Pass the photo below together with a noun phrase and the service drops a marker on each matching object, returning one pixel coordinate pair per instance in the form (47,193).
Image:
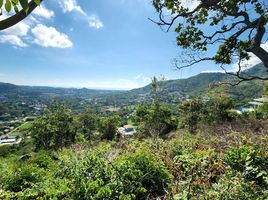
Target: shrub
(252,161)
(18,179)
(54,130)
(142,174)
(132,176)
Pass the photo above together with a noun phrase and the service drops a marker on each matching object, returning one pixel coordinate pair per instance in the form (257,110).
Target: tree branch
(14,19)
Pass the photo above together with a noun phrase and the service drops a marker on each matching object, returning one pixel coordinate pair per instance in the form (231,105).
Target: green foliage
(197,170)
(142,173)
(16,4)
(217,109)
(88,123)
(132,176)
(231,186)
(54,130)
(155,120)
(186,167)
(251,161)
(18,179)
(190,112)
(108,127)
(236,158)
(229,33)
(195,111)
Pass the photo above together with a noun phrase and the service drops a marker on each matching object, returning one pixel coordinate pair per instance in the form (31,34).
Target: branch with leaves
(20,14)
(236,27)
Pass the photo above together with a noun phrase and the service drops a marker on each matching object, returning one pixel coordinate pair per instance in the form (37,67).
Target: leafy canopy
(237,28)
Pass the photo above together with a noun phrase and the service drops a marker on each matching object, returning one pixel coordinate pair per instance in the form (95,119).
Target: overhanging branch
(14,19)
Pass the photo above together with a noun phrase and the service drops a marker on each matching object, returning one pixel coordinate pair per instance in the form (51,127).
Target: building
(255,104)
(126,131)
(258,102)
(8,140)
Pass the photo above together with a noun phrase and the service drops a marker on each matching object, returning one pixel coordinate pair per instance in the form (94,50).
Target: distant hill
(10,90)
(193,86)
(7,87)
(197,85)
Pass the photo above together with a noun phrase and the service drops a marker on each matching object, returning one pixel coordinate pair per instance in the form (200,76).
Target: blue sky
(107,44)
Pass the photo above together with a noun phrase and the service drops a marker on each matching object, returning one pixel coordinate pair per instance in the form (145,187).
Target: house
(253,105)
(126,131)
(29,118)
(258,102)
(8,140)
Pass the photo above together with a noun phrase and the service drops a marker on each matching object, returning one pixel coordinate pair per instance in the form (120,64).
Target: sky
(103,44)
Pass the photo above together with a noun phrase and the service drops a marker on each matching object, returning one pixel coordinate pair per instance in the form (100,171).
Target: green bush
(155,120)
(23,177)
(252,161)
(142,174)
(41,159)
(55,130)
(131,176)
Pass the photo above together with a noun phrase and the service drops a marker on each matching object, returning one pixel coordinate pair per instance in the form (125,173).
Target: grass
(22,130)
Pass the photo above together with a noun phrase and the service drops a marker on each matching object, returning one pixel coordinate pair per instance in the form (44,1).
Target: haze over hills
(8,89)
(192,86)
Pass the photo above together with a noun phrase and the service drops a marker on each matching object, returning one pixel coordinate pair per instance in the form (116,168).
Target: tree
(108,127)
(190,112)
(235,27)
(157,85)
(27,8)
(54,130)
(88,122)
(155,120)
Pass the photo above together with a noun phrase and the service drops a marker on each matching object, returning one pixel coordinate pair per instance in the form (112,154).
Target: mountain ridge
(192,86)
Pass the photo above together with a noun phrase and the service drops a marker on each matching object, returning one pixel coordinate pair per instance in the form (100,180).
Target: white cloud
(72,6)
(50,37)
(20,29)
(19,35)
(191,4)
(13,40)
(42,11)
(95,22)
(14,34)
(143,78)
(213,71)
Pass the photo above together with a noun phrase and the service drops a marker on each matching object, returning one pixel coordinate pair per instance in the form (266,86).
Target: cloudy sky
(90,43)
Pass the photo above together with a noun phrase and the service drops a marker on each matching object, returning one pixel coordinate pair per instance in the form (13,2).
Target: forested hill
(193,86)
(198,84)
(190,86)
(8,90)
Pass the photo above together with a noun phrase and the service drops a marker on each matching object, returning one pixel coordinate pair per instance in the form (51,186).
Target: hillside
(11,90)
(193,86)
(197,85)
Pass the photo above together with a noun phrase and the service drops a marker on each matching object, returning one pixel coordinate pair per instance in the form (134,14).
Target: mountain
(10,90)
(197,85)
(193,86)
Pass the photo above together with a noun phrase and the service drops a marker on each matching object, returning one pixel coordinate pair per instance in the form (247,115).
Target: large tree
(236,27)
(22,9)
